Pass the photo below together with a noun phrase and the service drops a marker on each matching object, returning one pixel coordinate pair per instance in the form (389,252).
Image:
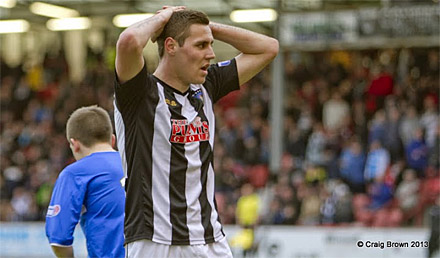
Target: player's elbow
(274,47)
(128,42)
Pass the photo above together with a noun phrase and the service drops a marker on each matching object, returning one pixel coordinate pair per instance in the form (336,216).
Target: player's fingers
(174,8)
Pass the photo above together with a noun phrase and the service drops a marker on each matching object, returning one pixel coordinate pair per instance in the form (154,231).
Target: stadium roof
(218,10)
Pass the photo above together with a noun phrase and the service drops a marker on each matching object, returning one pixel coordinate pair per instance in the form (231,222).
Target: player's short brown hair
(178,27)
(89,125)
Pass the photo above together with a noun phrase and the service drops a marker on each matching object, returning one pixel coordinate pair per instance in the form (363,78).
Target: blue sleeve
(64,209)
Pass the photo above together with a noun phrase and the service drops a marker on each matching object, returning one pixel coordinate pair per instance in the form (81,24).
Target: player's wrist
(213,26)
(214,29)
(167,11)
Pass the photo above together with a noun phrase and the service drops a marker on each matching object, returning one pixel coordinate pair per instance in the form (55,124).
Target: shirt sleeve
(64,209)
(130,93)
(222,79)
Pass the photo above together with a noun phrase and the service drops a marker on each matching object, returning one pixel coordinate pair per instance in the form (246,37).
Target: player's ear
(170,45)
(113,141)
(75,145)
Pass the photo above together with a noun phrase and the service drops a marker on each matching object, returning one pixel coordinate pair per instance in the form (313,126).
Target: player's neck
(167,74)
(99,147)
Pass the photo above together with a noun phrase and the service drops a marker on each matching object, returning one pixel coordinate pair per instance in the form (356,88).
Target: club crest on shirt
(53,210)
(198,94)
(182,132)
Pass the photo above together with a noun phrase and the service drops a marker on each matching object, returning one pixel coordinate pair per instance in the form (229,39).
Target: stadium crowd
(361,136)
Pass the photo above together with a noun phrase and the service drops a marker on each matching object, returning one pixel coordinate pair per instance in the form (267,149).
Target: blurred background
(336,142)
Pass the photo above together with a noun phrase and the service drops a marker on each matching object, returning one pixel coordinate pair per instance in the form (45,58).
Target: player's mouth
(205,68)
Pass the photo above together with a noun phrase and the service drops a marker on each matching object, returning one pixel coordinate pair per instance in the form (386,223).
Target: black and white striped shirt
(166,141)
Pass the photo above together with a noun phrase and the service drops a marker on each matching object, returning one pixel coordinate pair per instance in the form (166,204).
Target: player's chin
(200,80)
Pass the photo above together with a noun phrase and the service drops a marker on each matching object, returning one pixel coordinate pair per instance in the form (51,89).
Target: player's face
(193,58)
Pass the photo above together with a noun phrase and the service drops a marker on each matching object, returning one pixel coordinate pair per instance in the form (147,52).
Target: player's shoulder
(79,166)
(142,78)
(66,174)
(94,163)
(225,63)
(70,169)
(77,172)
(222,69)
(221,65)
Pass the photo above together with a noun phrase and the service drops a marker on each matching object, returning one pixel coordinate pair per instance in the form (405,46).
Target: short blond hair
(89,125)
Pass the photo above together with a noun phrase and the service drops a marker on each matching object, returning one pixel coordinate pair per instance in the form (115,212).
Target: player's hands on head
(172,8)
(166,13)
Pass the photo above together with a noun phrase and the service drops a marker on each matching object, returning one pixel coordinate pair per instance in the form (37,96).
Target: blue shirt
(417,155)
(377,163)
(352,166)
(89,190)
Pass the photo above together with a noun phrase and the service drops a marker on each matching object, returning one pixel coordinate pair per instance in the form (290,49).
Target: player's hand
(172,8)
(166,13)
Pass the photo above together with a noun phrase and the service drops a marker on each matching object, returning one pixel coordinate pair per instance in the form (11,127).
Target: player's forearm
(131,42)
(62,251)
(247,42)
(136,37)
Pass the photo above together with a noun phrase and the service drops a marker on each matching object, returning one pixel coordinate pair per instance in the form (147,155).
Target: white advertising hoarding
(29,240)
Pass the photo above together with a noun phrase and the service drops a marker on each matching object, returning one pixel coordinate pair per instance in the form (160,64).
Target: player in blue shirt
(89,190)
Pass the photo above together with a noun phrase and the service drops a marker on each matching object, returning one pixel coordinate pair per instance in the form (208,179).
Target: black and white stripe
(170,184)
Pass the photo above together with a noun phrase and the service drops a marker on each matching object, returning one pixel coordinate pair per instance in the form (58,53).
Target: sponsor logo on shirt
(182,132)
(171,102)
(53,210)
(224,63)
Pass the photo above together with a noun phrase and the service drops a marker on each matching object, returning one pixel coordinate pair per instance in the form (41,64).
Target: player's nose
(210,54)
